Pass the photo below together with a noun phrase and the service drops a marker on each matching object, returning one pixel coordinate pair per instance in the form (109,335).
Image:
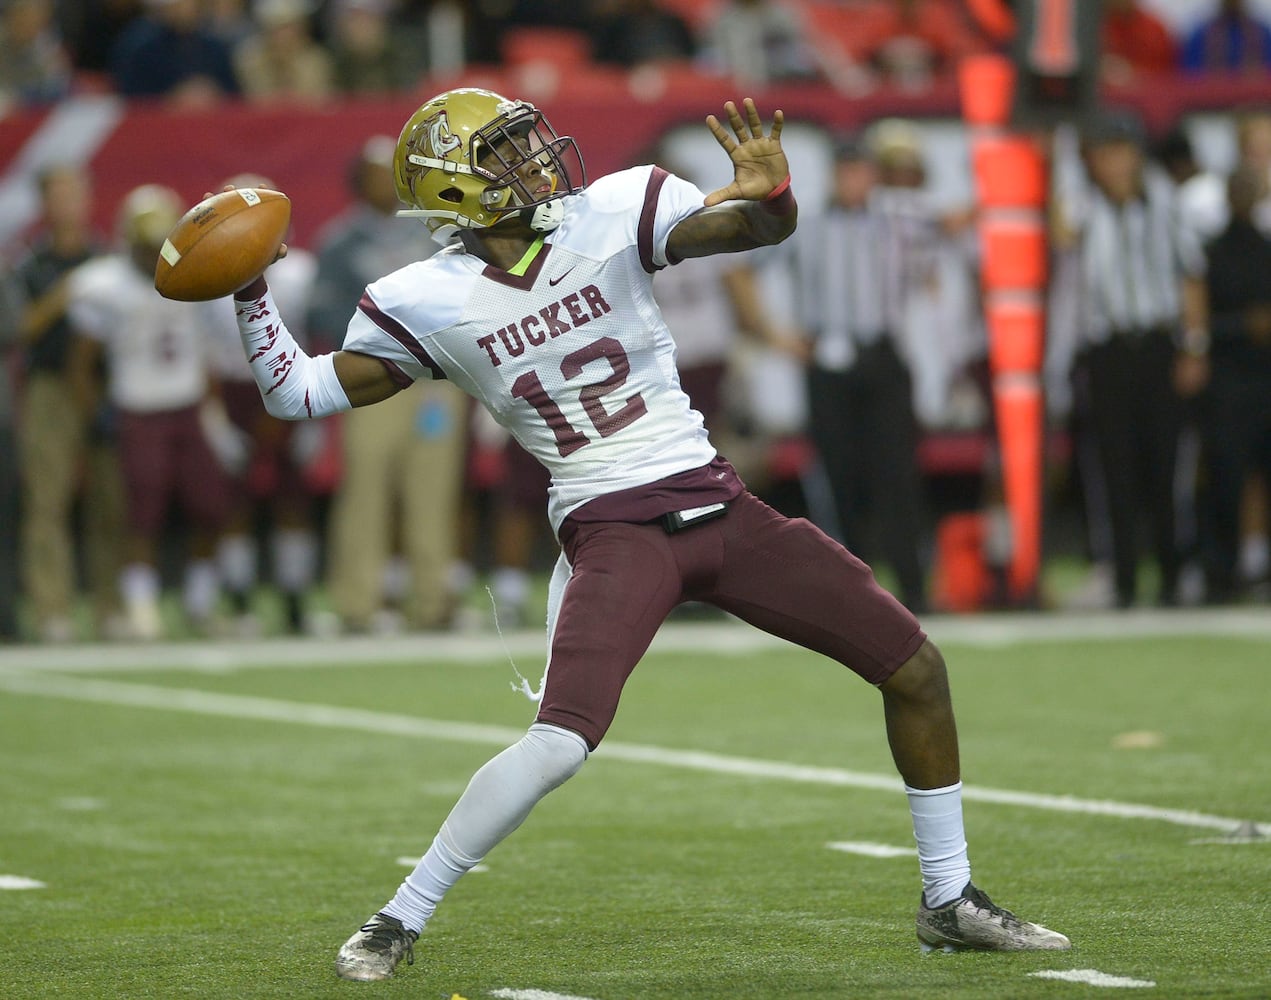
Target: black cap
(851,148)
(1114,126)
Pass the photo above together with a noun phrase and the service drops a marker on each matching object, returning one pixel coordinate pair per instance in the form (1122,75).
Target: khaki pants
(400,491)
(50,453)
(56,463)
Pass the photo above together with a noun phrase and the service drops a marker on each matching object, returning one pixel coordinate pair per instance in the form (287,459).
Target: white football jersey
(155,347)
(573,357)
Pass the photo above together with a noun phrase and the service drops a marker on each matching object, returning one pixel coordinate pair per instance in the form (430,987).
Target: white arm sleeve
(293,385)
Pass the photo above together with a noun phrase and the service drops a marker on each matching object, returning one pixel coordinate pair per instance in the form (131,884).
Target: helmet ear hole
(453,195)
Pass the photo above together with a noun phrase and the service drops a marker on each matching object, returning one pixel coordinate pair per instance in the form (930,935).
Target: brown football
(222,244)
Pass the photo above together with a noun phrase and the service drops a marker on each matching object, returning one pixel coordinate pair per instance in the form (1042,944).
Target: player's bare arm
(755,209)
(364,379)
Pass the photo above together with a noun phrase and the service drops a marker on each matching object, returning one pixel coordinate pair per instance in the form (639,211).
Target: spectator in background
(1236,407)
(907,42)
(61,456)
(369,54)
(34,66)
(269,487)
(1202,194)
(229,20)
(1135,43)
(633,33)
(1253,147)
(154,351)
(453,33)
(1142,299)
(91,28)
(403,461)
(1232,41)
(760,42)
(169,53)
(283,61)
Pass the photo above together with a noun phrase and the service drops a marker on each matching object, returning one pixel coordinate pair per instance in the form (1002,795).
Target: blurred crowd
(197,51)
(144,491)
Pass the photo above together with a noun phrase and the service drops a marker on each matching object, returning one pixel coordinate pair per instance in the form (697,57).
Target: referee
(1144,312)
(850,264)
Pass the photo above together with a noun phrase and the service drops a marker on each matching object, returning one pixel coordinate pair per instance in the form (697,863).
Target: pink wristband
(781,199)
(779,190)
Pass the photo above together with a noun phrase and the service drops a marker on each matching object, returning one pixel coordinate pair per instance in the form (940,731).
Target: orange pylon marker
(1010,180)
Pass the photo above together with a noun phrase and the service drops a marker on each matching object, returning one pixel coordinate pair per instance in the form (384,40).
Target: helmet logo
(440,138)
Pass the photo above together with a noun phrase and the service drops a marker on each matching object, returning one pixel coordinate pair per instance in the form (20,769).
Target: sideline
(989,630)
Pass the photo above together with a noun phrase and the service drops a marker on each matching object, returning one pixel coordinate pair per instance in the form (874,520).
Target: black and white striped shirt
(1133,257)
(848,278)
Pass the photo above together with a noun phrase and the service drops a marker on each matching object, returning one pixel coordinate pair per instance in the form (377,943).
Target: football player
(541,307)
(154,352)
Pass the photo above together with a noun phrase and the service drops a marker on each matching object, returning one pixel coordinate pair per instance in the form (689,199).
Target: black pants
(863,427)
(1236,422)
(1137,417)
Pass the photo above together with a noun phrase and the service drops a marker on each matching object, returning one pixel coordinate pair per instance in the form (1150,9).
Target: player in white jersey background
(541,308)
(155,353)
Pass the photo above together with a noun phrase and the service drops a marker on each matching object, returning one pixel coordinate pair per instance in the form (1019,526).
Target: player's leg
(607,605)
(790,579)
(205,490)
(497,800)
(147,461)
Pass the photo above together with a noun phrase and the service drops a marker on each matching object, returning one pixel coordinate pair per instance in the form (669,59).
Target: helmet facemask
(461,162)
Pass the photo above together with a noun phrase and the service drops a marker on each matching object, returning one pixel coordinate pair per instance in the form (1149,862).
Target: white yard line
(871,850)
(79,688)
(507,994)
(1093,977)
(19,882)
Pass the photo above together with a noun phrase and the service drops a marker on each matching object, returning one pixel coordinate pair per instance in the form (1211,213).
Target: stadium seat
(564,48)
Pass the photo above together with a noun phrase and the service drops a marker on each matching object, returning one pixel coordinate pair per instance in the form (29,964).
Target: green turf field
(215,821)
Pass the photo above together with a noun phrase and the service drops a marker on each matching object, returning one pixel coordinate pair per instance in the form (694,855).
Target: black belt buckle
(679,520)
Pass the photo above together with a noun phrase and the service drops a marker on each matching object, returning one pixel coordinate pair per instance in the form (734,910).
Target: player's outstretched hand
(759,162)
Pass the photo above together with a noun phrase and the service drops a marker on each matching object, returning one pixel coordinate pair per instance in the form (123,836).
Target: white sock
(202,587)
(139,584)
(295,553)
(942,855)
(236,557)
(496,801)
(510,586)
(1255,557)
(396,579)
(460,577)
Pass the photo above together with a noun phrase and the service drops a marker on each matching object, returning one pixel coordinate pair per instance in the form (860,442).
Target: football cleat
(374,951)
(975,922)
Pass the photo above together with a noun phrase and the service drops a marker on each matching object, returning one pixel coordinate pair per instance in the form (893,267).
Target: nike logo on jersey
(563,315)
(558,280)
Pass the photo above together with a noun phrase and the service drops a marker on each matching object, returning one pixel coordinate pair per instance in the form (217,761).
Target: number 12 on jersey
(568,437)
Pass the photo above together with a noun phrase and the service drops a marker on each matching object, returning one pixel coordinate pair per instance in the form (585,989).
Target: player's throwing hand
(759,162)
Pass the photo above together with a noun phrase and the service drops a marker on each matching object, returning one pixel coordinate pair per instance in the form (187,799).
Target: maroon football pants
(782,575)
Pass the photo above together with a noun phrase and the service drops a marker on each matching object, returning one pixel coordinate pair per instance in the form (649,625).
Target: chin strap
(546,217)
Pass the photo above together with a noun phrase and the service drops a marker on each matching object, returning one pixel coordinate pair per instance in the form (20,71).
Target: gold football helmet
(459,164)
(147,214)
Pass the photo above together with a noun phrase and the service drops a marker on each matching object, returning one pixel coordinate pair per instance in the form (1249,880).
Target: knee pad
(557,753)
